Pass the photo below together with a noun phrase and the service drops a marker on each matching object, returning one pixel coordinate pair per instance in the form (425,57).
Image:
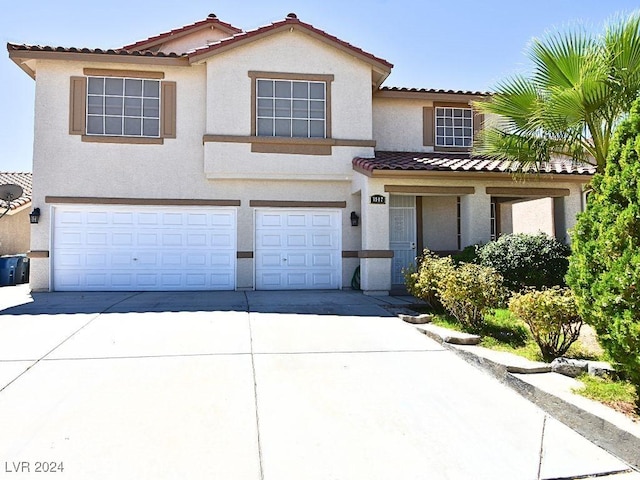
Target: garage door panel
(137,248)
(221,260)
(296,240)
(298,249)
(322,220)
(225,240)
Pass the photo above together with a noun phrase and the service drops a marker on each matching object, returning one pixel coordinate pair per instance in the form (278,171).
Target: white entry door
(402,234)
(133,248)
(298,249)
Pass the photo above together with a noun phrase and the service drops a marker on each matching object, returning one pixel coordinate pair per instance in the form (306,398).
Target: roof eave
(471,175)
(433,96)
(23,55)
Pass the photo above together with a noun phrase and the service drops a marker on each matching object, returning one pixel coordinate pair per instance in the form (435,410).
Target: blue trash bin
(22,269)
(8,267)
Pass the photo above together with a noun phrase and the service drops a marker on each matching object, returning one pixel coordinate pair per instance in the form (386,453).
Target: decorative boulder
(569,367)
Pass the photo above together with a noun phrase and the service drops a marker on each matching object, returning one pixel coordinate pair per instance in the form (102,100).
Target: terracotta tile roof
(290,20)
(18,178)
(462,162)
(13,47)
(211,20)
(432,90)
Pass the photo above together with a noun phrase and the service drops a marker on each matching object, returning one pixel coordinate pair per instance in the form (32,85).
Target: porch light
(34,216)
(354,219)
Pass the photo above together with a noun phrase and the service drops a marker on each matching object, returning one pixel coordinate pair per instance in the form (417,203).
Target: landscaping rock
(569,367)
(445,335)
(417,319)
(600,369)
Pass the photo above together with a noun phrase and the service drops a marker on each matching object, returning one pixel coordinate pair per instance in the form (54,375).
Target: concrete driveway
(257,385)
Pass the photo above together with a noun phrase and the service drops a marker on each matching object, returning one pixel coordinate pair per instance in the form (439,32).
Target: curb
(612,438)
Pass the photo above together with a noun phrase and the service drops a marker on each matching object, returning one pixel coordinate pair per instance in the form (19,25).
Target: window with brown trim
(288,108)
(121,108)
(454,127)
(291,105)
(450,126)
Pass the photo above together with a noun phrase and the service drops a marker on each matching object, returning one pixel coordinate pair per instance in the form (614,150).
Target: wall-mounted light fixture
(34,216)
(354,219)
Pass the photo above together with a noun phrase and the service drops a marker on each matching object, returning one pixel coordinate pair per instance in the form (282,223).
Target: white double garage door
(146,248)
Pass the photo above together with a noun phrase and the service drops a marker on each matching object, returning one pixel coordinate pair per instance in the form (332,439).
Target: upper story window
(454,127)
(123,107)
(291,108)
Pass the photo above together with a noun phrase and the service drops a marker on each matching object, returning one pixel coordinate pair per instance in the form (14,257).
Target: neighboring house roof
(18,178)
(462,162)
(210,21)
(291,21)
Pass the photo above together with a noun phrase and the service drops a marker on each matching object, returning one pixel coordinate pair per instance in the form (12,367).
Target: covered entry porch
(446,209)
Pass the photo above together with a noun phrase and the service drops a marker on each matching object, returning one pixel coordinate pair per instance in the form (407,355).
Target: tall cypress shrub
(604,268)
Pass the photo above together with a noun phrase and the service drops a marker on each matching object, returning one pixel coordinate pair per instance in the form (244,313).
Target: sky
(459,45)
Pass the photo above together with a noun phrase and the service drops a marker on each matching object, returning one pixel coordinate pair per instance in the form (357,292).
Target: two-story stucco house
(211,158)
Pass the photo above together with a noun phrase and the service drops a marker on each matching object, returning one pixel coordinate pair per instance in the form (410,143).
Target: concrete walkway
(259,385)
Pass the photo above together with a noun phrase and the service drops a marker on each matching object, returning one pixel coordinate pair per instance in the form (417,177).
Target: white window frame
(123,116)
(454,124)
(265,114)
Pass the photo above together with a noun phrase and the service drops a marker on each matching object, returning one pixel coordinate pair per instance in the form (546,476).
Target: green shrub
(469,292)
(526,260)
(468,255)
(423,282)
(552,316)
(604,270)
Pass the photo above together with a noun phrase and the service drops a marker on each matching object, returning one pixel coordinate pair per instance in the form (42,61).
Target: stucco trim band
(375,254)
(423,189)
(129,140)
(528,192)
(144,201)
(334,142)
(107,72)
(350,254)
(38,254)
(296,204)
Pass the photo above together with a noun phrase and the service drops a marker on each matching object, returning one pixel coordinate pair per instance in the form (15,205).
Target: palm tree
(581,86)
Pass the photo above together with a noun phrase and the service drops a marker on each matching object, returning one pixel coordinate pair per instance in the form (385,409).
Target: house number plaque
(378,199)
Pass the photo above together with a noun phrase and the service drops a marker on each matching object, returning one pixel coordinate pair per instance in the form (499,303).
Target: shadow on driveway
(316,302)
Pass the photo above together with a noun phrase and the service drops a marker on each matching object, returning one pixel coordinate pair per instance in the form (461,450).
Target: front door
(402,234)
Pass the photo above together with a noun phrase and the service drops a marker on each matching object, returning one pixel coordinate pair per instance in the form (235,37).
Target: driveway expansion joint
(66,339)
(615,439)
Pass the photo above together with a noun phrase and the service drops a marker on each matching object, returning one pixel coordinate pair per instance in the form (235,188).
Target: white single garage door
(135,248)
(298,249)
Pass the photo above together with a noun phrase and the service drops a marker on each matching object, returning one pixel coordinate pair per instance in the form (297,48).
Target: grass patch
(617,394)
(506,333)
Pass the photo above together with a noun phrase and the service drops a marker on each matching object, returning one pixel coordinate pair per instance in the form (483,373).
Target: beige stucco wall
(194,40)
(533,216)
(229,86)
(440,223)
(398,124)
(15,233)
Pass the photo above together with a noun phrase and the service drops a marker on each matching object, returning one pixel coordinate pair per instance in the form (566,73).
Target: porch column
(566,210)
(375,256)
(475,218)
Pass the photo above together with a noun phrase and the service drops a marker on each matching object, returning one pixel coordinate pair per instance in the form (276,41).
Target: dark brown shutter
(427,124)
(478,121)
(168,121)
(78,106)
